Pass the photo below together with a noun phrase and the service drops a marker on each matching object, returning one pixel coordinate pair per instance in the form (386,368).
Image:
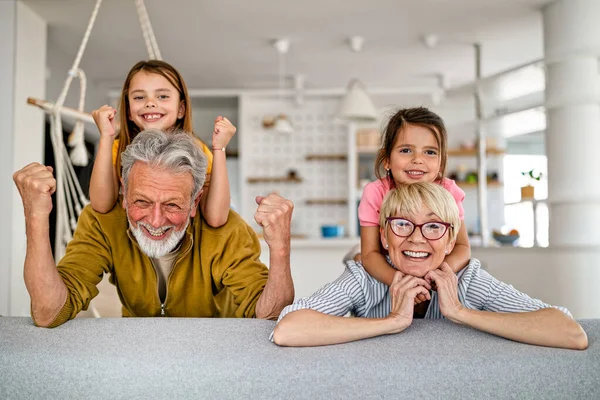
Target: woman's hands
(404,289)
(104,117)
(447,288)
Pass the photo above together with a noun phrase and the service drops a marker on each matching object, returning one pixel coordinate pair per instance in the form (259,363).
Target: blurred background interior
(310,86)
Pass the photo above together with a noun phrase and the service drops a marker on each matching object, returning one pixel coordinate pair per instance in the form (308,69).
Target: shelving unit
(464,185)
(274,179)
(321,202)
(326,157)
(473,152)
(367,150)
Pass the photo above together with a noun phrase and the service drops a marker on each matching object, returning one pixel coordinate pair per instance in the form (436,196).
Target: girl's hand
(404,290)
(104,117)
(222,133)
(447,288)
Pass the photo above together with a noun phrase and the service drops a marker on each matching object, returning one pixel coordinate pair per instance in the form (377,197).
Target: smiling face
(415,255)
(159,208)
(415,156)
(154,102)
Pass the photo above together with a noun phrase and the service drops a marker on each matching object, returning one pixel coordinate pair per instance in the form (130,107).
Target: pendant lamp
(357,105)
(282,122)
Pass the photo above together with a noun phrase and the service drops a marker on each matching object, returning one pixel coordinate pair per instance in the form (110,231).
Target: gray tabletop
(159,358)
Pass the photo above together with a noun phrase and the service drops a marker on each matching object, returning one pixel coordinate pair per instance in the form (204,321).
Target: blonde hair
(407,200)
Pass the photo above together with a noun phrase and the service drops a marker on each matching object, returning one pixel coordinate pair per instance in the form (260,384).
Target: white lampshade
(283,125)
(357,105)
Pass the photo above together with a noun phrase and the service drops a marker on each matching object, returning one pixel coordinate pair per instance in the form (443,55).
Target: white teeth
(415,254)
(156,232)
(415,172)
(151,117)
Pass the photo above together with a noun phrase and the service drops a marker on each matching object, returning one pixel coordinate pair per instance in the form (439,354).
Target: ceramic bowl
(507,240)
(330,231)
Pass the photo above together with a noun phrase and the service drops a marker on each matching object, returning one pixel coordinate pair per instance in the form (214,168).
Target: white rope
(79,154)
(63,230)
(147,31)
(79,199)
(82,199)
(75,67)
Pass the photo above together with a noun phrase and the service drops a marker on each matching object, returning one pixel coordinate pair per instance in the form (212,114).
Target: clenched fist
(274,214)
(222,133)
(104,117)
(36,184)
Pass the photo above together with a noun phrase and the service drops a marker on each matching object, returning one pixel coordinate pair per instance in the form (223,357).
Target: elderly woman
(420,223)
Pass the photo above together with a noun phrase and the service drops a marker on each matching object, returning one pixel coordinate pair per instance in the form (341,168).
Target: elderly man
(161,255)
(419,223)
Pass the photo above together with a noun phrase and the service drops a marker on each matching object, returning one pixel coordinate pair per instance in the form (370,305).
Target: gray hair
(177,152)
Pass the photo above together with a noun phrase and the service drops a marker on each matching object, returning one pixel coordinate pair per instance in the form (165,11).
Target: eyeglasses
(430,230)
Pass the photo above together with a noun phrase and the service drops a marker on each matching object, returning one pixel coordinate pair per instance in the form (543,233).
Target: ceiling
(227,44)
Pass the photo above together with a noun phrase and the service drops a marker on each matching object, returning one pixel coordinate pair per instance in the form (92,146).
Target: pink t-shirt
(374,192)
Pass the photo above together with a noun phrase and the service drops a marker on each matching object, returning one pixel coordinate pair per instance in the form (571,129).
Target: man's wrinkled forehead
(156,181)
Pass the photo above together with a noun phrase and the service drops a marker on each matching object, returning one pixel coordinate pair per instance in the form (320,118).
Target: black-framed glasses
(432,230)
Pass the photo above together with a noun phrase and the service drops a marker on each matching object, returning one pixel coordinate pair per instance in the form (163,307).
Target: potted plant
(527,191)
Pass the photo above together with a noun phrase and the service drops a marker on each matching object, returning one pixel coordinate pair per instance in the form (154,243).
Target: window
(519,214)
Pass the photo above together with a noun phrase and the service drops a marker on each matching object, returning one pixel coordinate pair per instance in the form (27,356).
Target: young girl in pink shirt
(414,149)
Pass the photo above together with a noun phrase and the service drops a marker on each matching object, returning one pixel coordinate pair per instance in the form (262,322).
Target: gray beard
(156,248)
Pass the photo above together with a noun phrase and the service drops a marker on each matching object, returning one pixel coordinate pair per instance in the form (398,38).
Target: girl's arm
(215,202)
(372,260)
(104,188)
(461,254)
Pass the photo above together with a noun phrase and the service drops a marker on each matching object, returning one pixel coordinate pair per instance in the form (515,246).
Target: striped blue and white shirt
(357,292)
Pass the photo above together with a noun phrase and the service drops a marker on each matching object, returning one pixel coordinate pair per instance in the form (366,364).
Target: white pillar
(572,45)
(22,74)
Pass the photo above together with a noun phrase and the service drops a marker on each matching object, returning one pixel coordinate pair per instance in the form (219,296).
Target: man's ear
(181,112)
(196,202)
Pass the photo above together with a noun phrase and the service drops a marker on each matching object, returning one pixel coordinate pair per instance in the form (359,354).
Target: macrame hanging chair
(70,199)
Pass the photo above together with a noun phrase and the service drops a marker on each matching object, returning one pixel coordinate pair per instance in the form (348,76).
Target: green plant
(531,176)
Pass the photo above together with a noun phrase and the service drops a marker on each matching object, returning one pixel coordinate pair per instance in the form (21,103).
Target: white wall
(22,68)
(7,68)
(566,276)
(205,110)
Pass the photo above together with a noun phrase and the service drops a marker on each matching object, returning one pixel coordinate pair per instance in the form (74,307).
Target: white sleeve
(336,298)
(489,294)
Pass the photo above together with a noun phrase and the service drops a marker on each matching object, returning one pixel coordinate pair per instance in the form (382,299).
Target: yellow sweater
(212,262)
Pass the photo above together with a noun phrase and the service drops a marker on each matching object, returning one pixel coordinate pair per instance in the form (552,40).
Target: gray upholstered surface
(211,358)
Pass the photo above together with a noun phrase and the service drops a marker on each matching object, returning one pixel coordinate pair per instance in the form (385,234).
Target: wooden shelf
(336,202)
(367,150)
(465,185)
(326,157)
(292,236)
(274,179)
(473,152)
